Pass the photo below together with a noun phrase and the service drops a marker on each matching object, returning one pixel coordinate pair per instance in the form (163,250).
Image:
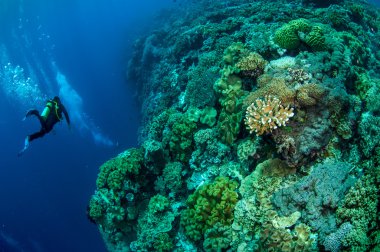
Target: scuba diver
(49,117)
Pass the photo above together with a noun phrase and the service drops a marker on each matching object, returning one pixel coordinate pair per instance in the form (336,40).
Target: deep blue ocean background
(86,44)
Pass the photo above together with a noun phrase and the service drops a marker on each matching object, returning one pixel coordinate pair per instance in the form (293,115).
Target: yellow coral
(252,65)
(265,115)
(274,87)
(309,94)
(286,221)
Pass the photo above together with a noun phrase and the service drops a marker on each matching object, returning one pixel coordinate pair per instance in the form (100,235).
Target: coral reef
(260,131)
(360,208)
(210,204)
(317,196)
(265,115)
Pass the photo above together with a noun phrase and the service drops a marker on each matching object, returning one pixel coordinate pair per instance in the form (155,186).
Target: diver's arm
(66,115)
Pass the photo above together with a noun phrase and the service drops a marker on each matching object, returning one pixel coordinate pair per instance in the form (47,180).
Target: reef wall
(260,132)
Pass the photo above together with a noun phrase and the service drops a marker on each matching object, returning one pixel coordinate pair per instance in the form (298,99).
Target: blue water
(77,49)
(374,2)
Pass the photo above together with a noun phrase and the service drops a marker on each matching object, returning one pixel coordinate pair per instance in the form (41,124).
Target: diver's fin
(26,146)
(20,153)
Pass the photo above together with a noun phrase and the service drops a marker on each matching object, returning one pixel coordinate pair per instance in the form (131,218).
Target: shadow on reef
(261,131)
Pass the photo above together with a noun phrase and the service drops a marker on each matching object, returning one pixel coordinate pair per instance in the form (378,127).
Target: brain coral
(315,39)
(287,35)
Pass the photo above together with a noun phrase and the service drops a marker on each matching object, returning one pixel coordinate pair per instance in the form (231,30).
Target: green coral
(217,238)
(358,53)
(290,35)
(372,97)
(229,126)
(233,52)
(95,209)
(231,95)
(210,204)
(114,171)
(360,209)
(171,179)
(369,131)
(362,84)
(153,227)
(229,82)
(287,35)
(163,242)
(206,115)
(181,139)
(158,203)
(315,39)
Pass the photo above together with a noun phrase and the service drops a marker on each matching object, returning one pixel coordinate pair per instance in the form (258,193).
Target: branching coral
(267,114)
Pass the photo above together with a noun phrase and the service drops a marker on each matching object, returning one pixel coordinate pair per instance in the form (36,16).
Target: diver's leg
(30,138)
(37,114)
(36,135)
(32,112)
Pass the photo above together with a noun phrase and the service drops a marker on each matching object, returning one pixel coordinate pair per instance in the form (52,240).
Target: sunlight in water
(74,103)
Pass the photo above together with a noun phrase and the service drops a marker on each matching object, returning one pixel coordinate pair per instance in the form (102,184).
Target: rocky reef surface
(261,129)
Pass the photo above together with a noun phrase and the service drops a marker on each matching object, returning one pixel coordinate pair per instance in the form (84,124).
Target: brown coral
(284,239)
(265,115)
(252,65)
(274,87)
(299,75)
(309,94)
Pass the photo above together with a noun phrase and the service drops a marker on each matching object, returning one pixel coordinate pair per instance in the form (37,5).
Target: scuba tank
(47,110)
(50,105)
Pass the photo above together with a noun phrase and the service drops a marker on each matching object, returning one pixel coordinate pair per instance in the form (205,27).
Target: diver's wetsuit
(50,116)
